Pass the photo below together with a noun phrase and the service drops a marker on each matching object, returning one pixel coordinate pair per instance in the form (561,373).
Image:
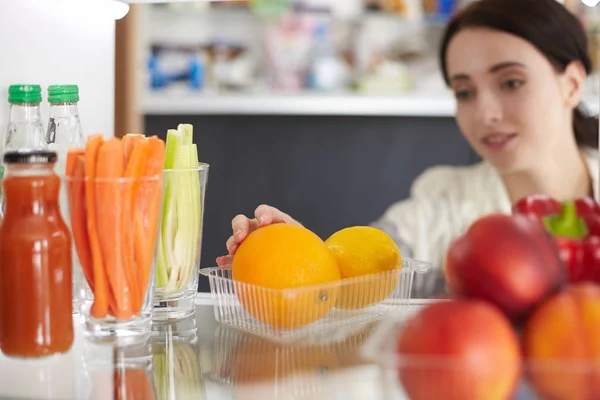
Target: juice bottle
(35,259)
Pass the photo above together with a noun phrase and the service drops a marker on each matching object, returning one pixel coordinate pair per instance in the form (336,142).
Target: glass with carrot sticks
(180,233)
(114,189)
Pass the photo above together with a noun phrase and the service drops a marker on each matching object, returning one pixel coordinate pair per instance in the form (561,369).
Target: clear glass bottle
(25,129)
(65,132)
(64,126)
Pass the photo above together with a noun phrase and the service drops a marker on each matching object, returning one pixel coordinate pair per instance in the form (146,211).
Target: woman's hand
(242,226)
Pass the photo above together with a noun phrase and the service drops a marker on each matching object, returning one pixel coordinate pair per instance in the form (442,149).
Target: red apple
(507,260)
(458,350)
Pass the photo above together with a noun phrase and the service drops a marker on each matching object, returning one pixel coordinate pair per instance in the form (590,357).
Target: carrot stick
(101,289)
(109,210)
(72,155)
(76,192)
(147,217)
(156,157)
(129,141)
(135,171)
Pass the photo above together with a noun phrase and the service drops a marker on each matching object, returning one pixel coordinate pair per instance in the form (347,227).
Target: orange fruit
(370,253)
(279,257)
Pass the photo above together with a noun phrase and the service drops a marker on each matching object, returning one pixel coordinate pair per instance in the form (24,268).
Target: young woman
(517,69)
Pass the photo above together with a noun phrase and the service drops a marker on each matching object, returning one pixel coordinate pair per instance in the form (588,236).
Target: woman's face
(513,107)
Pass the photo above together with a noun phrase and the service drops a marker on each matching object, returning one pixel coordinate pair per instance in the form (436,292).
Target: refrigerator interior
(61,42)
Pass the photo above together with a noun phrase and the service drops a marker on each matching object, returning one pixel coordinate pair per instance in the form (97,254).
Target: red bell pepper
(575,226)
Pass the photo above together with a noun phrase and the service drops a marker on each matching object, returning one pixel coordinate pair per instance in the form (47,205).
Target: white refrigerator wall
(56,42)
(49,42)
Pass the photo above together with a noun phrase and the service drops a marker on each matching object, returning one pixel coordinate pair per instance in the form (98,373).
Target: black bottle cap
(30,157)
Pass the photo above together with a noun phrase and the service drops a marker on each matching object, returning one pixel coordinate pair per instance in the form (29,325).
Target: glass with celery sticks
(114,188)
(180,234)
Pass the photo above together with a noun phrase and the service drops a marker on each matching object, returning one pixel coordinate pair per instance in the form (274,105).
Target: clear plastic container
(309,313)
(451,376)
(180,243)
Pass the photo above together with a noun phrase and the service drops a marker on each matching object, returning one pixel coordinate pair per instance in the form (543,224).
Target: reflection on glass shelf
(196,358)
(255,368)
(177,361)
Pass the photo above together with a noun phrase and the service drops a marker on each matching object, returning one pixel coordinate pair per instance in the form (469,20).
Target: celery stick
(183,243)
(177,245)
(162,276)
(179,222)
(187,133)
(165,256)
(173,143)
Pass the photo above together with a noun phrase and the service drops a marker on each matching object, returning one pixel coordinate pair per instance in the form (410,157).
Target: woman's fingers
(266,215)
(242,226)
(231,243)
(224,260)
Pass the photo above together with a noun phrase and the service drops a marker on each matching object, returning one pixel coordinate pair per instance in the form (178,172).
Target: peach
(561,342)
(459,350)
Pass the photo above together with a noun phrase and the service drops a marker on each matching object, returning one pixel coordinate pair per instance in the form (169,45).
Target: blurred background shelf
(343,104)
(299,104)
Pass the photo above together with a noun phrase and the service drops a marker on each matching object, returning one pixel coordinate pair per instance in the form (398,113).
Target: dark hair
(547,25)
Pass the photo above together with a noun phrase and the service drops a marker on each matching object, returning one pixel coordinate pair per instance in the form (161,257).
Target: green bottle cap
(24,94)
(63,94)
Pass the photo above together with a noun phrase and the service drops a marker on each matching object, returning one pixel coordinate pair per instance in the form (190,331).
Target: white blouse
(443,203)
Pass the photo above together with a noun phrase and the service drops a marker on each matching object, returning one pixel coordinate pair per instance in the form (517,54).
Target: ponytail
(585,127)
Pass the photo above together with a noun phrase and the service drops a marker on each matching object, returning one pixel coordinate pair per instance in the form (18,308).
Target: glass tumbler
(180,242)
(115,223)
